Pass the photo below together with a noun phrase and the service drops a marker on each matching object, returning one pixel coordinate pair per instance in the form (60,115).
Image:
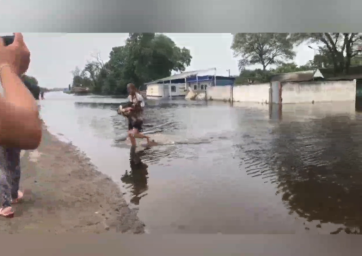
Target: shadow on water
(136,177)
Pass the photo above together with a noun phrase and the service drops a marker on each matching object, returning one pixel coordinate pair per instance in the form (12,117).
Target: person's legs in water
(13,167)
(137,131)
(139,135)
(130,132)
(5,189)
(132,138)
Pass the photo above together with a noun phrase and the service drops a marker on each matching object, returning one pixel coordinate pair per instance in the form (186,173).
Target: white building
(176,85)
(166,90)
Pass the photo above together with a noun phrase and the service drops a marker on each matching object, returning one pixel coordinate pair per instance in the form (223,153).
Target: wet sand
(65,193)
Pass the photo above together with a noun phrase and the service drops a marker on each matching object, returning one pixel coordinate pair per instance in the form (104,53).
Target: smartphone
(8,39)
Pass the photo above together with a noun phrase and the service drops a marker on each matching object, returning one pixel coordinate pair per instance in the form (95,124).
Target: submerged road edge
(65,193)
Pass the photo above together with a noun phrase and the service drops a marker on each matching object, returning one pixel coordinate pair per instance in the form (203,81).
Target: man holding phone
(20,126)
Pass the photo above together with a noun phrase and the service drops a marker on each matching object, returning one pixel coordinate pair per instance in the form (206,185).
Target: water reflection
(137,176)
(321,176)
(98,105)
(358,104)
(275,111)
(227,163)
(317,168)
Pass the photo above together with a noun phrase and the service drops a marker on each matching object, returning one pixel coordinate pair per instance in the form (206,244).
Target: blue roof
(208,78)
(193,78)
(183,75)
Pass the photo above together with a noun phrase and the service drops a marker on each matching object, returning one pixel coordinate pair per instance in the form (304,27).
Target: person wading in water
(135,117)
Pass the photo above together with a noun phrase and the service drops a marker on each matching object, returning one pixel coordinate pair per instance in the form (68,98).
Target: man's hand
(16,55)
(20,126)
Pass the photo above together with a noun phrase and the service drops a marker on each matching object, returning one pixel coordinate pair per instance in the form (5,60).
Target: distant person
(135,119)
(20,126)
(42,94)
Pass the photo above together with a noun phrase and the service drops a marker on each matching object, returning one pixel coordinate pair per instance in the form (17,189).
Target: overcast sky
(54,56)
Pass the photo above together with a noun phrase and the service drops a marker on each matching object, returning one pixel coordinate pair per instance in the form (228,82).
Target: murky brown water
(242,169)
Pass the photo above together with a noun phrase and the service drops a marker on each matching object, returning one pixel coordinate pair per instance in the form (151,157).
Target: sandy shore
(65,193)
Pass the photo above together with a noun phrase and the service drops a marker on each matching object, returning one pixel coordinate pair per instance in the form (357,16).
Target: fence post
(232,93)
(207,86)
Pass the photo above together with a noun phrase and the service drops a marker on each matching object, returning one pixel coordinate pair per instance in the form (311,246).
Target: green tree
(323,59)
(310,65)
(145,57)
(357,60)
(87,82)
(286,68)
(339,48)
(77,77)
(30,79)
(262,48)
(261,76)
(91,73)
(77,81)
(292,67)
(32,84)
(253,76)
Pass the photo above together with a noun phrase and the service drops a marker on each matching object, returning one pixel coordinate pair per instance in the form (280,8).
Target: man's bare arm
(20,125)
(19,118)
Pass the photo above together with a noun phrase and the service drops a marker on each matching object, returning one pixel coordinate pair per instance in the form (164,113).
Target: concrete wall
(302,112)
(258,93)
(331,91)
(219,92)
(154,90)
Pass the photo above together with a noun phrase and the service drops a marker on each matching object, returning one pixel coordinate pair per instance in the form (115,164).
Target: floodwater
(222,168)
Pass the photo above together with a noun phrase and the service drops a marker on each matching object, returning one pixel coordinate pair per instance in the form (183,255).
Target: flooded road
(231,169)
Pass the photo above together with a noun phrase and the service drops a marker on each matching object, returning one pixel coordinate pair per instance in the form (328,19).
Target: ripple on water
(316,166)
(232,162)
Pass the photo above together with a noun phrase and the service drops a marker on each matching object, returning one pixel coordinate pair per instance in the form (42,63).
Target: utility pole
(228,71)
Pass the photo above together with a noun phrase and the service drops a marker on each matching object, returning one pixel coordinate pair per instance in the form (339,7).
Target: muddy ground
(65,193)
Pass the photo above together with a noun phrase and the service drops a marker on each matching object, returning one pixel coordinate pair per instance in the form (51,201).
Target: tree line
(148,56)
(145,57)
(31,80)
(33,85)
(274,53)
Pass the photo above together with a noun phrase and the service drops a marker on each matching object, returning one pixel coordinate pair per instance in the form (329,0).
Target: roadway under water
(231,169)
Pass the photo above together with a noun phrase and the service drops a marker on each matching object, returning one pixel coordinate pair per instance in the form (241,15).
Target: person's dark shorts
(135,125)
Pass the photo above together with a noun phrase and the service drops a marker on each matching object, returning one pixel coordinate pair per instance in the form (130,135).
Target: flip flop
(7,212)
(19,199)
